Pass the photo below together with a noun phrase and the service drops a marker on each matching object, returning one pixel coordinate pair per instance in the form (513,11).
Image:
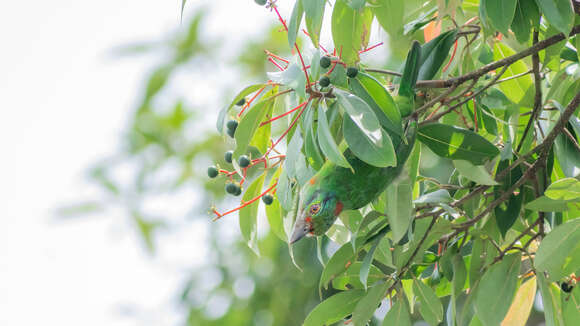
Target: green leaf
(293,77)
(326,141)
(507,213)
(527,15)
(366,264)
(571,308)
(550,302)
(311,150)
(547,204)
(334,308)
(559,251)
(496,290)
(457,143)
(522,304)
(411,71)
(351,277)
(294,24)
(564,189)
(568,156)
(434,53)
(314,10)
(434,197)
(398,315)
(377,97)
(431,308)
(399,208)
(249,124)
(365,308)
(356,4)
(249,214)
(274,212)
(261,138)
(514,89)
(476,173)
(500,13)
(558,13)
(459,274)
(356,36)
(362,132)
(390,15)
(337,264)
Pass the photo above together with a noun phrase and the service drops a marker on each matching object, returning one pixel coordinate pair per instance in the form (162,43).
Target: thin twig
(537,98)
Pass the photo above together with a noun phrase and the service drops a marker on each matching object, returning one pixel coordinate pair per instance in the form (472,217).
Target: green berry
(244,161)
(325,62)
(231,132)
(212,172)
(351,72)
(241,102)
(228,156)
(324,81)
(232,188)
(232,125)
(260,2)
(268,199)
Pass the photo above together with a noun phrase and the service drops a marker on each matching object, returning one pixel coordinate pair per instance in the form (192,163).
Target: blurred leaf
(434,197)
(559,251)
(546,204)
(350,40)
(500,13)
(293,77)
(334,308)
(390,15)
(78,209)
(522,304)
(314,10)
(294,24)
(326,141)
(398,315)
(559,13)
(366,307)
(456,143)
(249,214)
(431,308)
(496,290)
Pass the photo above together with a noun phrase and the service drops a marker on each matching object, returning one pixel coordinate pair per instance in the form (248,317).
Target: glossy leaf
(398,315)
(434,53)
(559,251)
(334,308)
(431,308)
(410,71)
(249,214)
(457,143)
(326,141)
(351,39)
(496,290)
(314,11)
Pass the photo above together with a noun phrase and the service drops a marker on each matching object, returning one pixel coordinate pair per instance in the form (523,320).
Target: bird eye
(314,209)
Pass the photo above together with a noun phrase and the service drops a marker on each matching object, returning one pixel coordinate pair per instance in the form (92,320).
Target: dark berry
(324,81)
(228,156)
(566,287)
(241,102)
(238,192)
(231,132)
(212,172)
(232,188)
(260,2)
(244,161)
(325,62)
(232,125)
(351,72)
(348,317)
(268,199)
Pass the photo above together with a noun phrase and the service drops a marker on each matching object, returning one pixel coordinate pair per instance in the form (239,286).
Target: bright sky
(65,102)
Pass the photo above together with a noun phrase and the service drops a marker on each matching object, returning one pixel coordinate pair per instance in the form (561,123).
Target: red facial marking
(312,180)
(338,208)
(308,219)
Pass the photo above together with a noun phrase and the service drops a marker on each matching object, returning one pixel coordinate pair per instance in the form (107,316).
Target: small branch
(385,72)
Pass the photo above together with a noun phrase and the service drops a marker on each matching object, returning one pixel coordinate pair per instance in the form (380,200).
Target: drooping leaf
(390,15)
(514,89)
(249,214)
(550,302)
(559,13)
(399,207)
(457,143)
(568,156)
(356,36)
(500,13)
(431,308)
(476,173)
(398,315)
(326,141)
(313,155)
(351,277)
(496,290)
(547,204)
(274,212)
(367,261)
(294,24)
(337,264)
(314,11)
(248,125)
(434,53)
(564,189)
(559,251)
(507,213)
(411,70)
(365,308)
(522,304)
(334,308)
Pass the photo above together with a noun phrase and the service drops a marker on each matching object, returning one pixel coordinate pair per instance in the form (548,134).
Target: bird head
(317,212)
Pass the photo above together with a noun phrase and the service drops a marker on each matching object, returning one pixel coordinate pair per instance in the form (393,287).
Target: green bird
(334,188)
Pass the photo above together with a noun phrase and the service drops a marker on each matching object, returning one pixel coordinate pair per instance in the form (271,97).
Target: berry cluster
(325,62)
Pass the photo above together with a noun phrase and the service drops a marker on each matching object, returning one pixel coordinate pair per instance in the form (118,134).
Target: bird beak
(299,231)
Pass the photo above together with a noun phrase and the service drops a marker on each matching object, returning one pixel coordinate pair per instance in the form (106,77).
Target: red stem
(243,204)
(452,56)
(287,130)
(250,101)
(372,47)
(275,64)
(283,114)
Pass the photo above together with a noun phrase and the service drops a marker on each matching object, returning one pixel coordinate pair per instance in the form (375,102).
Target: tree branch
(537,98)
